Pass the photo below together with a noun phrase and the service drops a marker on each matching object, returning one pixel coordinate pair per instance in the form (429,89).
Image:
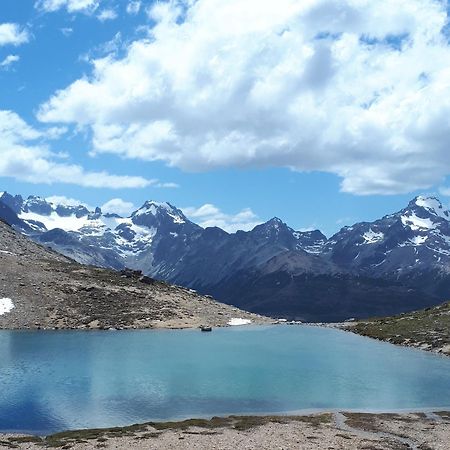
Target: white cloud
(13,34)
(352,87)
(10,59)
(118,206)
(25,158)
(67,201)
(66,31)
(133,7)
(107,14)
(209,215)
(169,185)
(72,6)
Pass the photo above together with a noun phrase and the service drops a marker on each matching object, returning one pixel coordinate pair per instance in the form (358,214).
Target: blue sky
(321,115)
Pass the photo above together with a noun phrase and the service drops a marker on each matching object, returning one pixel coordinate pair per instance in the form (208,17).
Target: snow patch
(69,223)
(235,321)
(418,240)
(6,306)
(417,223)
(370,237)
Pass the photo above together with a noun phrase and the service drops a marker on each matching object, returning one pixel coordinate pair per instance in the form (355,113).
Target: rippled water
(57,380)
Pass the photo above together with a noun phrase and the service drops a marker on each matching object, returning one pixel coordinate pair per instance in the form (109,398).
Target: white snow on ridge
(235,321)
(73,223)
(417,223)
(370,237)
(6,306)
(70,223)
(433,205)
(153,207)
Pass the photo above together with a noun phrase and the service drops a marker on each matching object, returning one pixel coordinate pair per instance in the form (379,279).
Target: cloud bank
(357,88)
(25,158)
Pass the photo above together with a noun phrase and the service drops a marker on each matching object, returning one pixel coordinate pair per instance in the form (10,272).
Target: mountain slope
(397,263)
(42,289)
(411,246)
(291,286)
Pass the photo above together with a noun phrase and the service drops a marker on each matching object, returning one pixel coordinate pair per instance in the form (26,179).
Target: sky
(320,112)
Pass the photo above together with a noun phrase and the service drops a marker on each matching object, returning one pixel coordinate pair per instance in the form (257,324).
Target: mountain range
(395,264)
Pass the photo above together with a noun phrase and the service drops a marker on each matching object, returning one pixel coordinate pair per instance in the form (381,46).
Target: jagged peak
(151,207)
(430,204)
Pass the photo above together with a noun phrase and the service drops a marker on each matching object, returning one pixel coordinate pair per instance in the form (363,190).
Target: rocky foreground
(430,431)
(41,289)
(427,329)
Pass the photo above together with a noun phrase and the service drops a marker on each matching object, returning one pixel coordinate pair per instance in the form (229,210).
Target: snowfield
(6,306)
(237,321)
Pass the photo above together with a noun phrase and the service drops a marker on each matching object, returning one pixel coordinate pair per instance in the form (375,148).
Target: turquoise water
(57,380)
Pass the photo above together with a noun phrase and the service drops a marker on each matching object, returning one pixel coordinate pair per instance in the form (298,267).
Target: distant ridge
(397,263)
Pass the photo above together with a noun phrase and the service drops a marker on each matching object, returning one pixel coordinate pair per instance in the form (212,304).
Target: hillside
(428,329)
(40,288)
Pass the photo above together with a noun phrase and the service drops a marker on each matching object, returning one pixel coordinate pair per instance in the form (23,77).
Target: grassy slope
(428,329)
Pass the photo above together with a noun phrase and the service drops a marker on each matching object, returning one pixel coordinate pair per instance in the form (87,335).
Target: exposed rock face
(394,264)
(48,290)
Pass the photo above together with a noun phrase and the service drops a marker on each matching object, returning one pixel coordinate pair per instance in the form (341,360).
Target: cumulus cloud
(10,59)
(209,215)
(67,201)
(25,158)
(107,14)
(13,34)
(133,7)
(71,6)
(118,206)
(356,88)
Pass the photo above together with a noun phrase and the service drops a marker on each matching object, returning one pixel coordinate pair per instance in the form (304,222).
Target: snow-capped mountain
(393,264)
(407,245)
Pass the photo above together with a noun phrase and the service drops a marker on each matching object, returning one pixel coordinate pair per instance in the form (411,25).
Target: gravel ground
(325,431)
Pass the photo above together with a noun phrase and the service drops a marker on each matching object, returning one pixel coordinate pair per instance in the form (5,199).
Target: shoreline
(349,429)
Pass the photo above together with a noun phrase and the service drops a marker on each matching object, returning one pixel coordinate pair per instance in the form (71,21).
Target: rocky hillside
(428,329)
(40,288)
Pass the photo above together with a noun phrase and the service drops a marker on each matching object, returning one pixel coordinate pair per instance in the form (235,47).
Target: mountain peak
(275,221)
(430,204)
(153,208)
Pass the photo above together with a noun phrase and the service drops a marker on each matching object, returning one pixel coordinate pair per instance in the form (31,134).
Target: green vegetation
(428,329)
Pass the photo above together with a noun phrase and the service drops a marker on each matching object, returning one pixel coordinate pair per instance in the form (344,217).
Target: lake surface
(58,380)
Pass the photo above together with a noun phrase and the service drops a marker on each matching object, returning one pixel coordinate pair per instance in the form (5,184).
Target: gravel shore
(421,431)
